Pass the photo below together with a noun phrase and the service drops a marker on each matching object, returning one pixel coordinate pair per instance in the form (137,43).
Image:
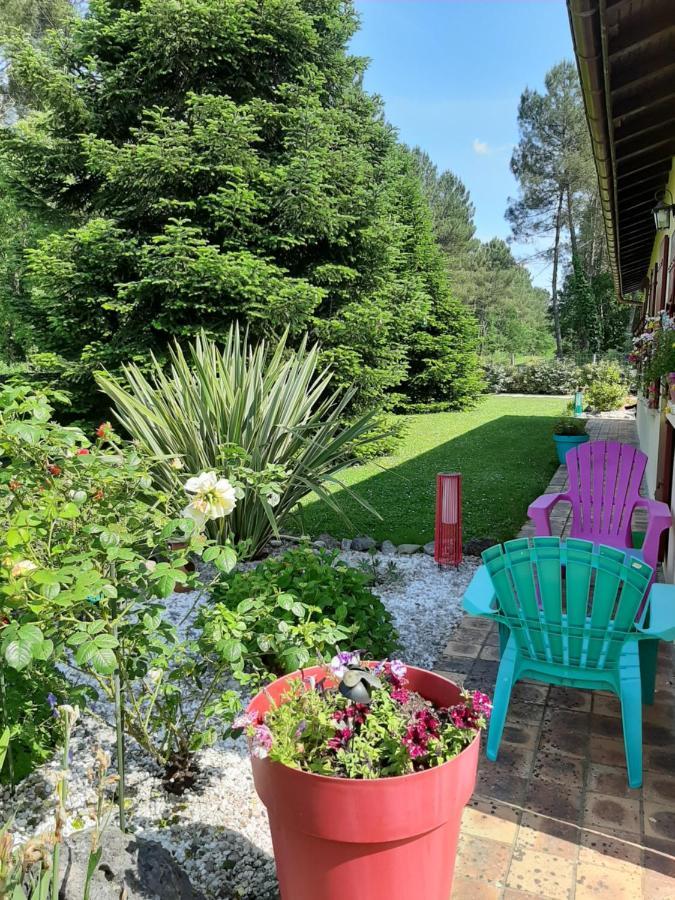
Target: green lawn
(503,449)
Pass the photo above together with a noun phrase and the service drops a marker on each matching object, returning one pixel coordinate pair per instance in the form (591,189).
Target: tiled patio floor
(553,818)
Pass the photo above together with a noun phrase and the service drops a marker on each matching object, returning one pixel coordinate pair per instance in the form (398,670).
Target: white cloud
(482,148)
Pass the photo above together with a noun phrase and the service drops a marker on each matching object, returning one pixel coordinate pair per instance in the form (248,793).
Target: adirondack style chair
(576,627)
(604,491)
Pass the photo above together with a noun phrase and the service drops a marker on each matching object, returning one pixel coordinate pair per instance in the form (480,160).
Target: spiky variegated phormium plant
(269,408)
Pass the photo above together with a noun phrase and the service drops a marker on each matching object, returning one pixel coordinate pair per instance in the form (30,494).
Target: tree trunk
(570,222)
(554,279)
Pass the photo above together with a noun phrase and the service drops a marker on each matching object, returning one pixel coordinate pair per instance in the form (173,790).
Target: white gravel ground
(218,831)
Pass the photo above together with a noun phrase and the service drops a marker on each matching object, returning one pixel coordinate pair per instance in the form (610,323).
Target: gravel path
(218,831)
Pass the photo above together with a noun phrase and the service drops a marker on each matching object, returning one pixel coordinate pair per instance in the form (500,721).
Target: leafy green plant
(605,385)
(270,411)
(86,558)
(363,721)
(569,426)
(291,611)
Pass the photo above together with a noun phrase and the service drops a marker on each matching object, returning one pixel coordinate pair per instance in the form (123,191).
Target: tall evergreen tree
(551,166)
(222,161)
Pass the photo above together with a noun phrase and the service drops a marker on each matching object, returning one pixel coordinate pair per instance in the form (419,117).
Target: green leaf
(30,634)
(231,650)
(18,655)
(70,511)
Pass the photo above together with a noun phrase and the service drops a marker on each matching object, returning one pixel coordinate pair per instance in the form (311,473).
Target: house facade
(625,52)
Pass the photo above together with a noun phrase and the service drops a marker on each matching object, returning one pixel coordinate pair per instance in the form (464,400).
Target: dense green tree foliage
(512,314)
(220,160)
(591,318)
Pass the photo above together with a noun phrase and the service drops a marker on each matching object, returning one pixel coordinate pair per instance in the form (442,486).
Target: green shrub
(569,426)
(292,611)
(604,384)
(550,376)
(274,404)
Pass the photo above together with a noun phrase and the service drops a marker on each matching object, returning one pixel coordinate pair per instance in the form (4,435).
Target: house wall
(650,422)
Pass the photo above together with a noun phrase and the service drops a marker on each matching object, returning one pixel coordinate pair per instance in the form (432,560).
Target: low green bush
(292,611)
(604,385)
(549,376)
(568,426)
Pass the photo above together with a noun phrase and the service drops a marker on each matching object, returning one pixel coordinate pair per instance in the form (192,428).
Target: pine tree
(221,161)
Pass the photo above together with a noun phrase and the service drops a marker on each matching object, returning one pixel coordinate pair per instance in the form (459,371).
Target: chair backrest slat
(604,485)
(567,603)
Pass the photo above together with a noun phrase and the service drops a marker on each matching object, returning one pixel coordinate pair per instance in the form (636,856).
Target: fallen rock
(430,548)
(407,549)
(475,546)
(363,543)
(328,541)
(345,545)
(132,867)
(387,548)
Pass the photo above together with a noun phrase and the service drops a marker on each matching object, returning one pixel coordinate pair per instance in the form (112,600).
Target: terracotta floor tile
(512,760)
(559,767)
(549,798)
(606,726)
(521,712)
(565,731)
(609,780)
(460,648)
(607,751)
(604,883)
(511,894)
(621,814)
(660,820)
(530,692)
(490,652)
(542,874)
(548,835)
(655,735)
(472,889)
(569,698)
(606,704)
(492,820)
(662,712)
(482,859)
(659,856)
(659,759)
(526,736)
(659,787)
(607,847)
(492,785)
(657,887)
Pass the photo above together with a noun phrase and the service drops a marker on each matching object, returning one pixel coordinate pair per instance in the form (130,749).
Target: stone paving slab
(553,818)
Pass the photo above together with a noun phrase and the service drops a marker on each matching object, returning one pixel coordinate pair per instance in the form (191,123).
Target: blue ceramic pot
(565,442)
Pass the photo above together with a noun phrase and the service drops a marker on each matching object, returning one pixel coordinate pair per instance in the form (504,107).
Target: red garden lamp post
(448,534)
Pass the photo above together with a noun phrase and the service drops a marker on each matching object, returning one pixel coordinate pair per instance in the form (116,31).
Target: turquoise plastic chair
(569,613)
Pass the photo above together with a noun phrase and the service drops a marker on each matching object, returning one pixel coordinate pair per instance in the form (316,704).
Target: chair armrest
(540,509)
(479,598)
(661,613)
(659,519)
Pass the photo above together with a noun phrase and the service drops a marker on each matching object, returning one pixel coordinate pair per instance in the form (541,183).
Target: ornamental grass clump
(362,720)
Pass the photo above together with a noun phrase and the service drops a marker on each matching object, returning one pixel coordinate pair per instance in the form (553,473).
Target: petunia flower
(262,742)
(342,660)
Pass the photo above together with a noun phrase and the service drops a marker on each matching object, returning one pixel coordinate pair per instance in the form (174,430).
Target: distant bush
(550,376)
(604,385)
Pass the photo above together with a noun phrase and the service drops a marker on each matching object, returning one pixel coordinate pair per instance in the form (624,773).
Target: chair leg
(504,635)
(649,651)
(500,703)
(631,715)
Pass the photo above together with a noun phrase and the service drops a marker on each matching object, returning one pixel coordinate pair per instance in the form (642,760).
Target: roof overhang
(625,52)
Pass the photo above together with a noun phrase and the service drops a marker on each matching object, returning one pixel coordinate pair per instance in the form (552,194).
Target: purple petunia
(339,663)
(398,669)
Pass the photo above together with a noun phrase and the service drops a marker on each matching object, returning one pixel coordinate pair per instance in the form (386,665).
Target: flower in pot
(365,769)
(569,432)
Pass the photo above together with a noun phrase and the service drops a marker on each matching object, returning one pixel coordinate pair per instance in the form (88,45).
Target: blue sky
(451,73)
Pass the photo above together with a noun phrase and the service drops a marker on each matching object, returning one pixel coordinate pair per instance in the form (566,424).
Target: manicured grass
(503,449)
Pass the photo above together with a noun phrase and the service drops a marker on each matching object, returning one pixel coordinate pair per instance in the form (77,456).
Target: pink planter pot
(387,839)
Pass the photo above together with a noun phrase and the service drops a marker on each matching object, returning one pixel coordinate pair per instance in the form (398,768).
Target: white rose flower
(23,568)
(273,498)
(214,498)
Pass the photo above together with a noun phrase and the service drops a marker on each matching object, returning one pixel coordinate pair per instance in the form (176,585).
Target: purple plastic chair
(604,490)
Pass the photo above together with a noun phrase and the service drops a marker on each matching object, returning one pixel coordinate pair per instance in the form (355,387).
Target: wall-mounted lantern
(448,537)
(662,212)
